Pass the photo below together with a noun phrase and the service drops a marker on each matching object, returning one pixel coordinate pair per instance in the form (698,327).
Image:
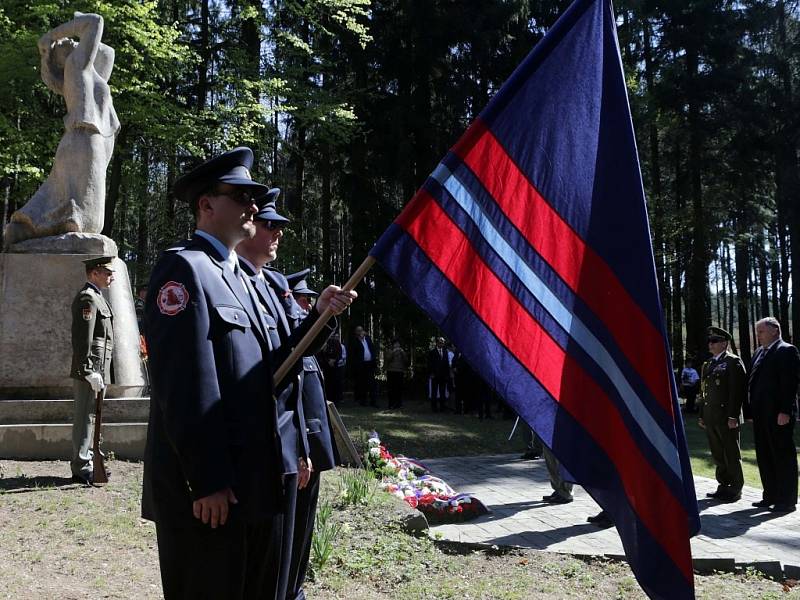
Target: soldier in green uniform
(723,390)
(92,343)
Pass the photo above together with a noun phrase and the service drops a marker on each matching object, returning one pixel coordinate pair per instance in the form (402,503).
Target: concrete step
(115,410)
(54,441)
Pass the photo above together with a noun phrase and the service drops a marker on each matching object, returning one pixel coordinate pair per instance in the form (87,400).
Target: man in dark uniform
(213,477)
(439,375)
(92,345)
(773,387)
(273,292)
(320,437)
(363,362)
(723,391)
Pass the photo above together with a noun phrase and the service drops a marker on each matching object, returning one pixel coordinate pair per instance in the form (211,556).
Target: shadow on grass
(17,485)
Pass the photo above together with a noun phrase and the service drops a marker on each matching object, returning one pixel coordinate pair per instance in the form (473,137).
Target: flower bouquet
(412,481)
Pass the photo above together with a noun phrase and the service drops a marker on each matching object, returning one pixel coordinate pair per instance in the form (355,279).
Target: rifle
(99,473)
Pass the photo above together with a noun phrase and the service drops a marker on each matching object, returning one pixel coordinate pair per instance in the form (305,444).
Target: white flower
(375,452)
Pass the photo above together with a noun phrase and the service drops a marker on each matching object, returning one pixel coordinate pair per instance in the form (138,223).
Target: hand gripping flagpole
(326,315)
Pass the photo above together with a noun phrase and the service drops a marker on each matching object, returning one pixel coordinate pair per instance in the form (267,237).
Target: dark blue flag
(529,246)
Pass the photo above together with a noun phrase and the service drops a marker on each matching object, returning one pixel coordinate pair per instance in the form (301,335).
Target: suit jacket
(213,422)
(92,334)
(724,389)
(774,382)
(439,366)
(355,353)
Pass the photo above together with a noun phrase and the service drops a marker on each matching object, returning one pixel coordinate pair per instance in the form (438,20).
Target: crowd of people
(233,457)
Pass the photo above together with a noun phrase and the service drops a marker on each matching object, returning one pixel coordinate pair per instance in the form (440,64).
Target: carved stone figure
(72,199)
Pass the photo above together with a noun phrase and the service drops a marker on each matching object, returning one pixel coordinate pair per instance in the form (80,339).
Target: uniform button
(236,317)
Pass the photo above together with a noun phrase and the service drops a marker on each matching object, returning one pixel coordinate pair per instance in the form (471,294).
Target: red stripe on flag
(563,378)
(579,266)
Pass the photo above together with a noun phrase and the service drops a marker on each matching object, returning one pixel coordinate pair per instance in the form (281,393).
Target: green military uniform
(92,344)
(723,390)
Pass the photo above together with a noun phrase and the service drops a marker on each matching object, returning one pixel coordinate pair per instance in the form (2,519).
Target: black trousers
(438,392)
(394,388)
(364,375)
(235,561)
(776,455)
(305,513)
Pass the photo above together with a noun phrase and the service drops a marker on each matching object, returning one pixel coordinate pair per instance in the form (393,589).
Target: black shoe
(529,455)
(556,499)
(762,504)
(601,519)
(84,479)
(729,496)
(783,508)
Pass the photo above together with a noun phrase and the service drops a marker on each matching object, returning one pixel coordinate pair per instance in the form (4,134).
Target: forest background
(349,104)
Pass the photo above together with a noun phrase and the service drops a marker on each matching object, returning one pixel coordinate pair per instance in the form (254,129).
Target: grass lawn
(60,541)
(417,432)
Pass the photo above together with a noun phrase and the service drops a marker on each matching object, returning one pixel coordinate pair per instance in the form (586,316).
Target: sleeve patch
(87,313)
(172,298)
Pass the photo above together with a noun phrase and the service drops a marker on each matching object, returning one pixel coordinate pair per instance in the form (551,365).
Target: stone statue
(72,199)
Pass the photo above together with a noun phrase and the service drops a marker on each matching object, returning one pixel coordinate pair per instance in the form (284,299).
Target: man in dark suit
(92,345)
(439,375)
(363,360)
(213,477)
(774,380)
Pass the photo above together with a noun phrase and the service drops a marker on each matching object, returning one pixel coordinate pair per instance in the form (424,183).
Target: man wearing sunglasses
(273,291)
(723,391)
(214,470)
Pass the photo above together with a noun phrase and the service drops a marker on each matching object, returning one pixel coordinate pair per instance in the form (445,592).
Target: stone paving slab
(512,489)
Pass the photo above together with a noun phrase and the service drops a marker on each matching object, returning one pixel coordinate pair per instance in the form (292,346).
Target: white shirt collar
(720,354)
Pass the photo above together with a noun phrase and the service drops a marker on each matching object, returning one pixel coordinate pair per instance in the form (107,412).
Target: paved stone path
(732,534)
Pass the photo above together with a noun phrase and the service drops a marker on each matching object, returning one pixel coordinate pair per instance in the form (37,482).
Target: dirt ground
(60,540)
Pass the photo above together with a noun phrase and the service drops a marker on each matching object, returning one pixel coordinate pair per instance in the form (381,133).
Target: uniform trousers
(284,585)
(305,513)
(235,561)
(82,428)
(561,487)
(724,445)
(776,455)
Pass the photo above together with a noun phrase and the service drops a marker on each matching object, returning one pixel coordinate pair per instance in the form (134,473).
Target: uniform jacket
(92,334)
(322,448)
(286,338)
(724,389)
(213,419)
(774,381)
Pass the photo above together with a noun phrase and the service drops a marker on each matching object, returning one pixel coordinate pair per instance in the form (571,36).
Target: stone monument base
(38,281)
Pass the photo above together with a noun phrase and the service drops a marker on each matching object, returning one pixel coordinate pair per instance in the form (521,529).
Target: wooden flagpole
(312,333)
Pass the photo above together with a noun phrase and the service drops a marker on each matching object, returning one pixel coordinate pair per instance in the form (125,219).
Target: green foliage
(356,486)
(326,532)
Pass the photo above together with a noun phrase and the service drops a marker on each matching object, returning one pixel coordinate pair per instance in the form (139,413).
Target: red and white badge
(87,313)
(172,298)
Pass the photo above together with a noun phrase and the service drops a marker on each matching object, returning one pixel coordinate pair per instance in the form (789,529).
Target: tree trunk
(142,255)
(742,296)
(326,199)
(697,273)
(114,183)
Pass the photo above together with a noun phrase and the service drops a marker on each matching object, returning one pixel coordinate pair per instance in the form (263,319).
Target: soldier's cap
(102,261)
(298,284)
(267,210)
(232,167)
(718,332)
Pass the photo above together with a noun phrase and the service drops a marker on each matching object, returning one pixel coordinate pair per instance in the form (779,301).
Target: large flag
(529,246)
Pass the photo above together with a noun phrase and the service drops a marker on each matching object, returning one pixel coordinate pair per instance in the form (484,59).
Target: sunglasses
(273,225)
(716,340)
(243,198)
